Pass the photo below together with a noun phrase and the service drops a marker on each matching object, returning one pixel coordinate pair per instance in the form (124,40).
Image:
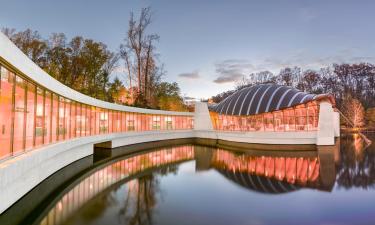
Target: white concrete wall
(202,119)
(326,128)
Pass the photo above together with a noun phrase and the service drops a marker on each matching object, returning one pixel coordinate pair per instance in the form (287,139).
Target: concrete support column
(326,128)
(202,119)
(336,123)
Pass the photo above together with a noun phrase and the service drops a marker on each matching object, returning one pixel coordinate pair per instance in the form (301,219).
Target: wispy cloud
(232,70)
(192,75)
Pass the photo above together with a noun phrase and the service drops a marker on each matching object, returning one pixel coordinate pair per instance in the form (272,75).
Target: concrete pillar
(202,119)
(327,174)
(336,123)
(326,129)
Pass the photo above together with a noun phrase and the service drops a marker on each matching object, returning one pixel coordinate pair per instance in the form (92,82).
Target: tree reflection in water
(141,198)
(357,163)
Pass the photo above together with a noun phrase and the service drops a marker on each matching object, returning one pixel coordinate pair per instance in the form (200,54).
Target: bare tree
(138,53)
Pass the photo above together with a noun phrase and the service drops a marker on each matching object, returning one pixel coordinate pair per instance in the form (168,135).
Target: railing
(37,110)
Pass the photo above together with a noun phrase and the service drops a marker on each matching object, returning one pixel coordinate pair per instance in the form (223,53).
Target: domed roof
(261,98)
(259,183)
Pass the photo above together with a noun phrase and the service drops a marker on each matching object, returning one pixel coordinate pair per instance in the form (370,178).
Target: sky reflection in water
(202,185)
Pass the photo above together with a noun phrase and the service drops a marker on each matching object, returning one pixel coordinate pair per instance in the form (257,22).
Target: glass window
(39,117)
(55,117)
(110,121)
(61,120)
(83,120)
(67,119)
(259,125)
(97,120)
(313,115)
(162,122)
(73,120)
(136,121)
(168,123)
(301,120)
(47,117)
(93,121)
(88,120)
(19,115)
(103,121)
(156,122)
(278,121)
(6,95)
(130,121)
(123,121)
(289,120)
(268,122)
(78,119)
(30,113)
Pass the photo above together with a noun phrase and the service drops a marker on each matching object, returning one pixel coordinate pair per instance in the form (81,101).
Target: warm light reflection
(300,171)
(101,179)
(294,170)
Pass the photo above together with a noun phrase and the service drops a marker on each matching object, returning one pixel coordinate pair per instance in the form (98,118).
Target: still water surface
(193,184)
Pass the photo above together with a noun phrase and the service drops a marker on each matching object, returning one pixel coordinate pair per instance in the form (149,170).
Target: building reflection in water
(262,171)
(98,181)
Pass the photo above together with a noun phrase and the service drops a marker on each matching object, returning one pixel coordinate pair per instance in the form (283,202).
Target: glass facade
(302,117)
(32,116)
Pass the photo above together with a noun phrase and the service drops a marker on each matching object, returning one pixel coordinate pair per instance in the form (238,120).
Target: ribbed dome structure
(261,98)
(259,183)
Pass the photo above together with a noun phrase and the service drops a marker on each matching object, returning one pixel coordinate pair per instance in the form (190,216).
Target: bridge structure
(45,126)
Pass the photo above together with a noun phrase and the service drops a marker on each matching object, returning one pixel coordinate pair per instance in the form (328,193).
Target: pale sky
(207,45)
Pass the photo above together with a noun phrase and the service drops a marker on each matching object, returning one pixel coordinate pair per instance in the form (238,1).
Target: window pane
(47,117)
(73,121)
(110,121)
(78,119)
(61,119)
(55,114)
(39,123)
(30,116)
(19,115)
(83,120)
(67,119)
(6,88)
(92,120)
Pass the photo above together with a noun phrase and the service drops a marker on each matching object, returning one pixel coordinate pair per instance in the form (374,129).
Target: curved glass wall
(32,116)
(302,117)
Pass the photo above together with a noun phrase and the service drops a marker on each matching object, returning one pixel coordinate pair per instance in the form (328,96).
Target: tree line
(352,85)
(87,65)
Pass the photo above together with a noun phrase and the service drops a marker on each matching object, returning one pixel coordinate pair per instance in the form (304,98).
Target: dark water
(203,185)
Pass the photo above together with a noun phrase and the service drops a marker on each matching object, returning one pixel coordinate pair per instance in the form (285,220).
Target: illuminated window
(156,122)
(19,115)
(39,117)
(30,112)
(6,94)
